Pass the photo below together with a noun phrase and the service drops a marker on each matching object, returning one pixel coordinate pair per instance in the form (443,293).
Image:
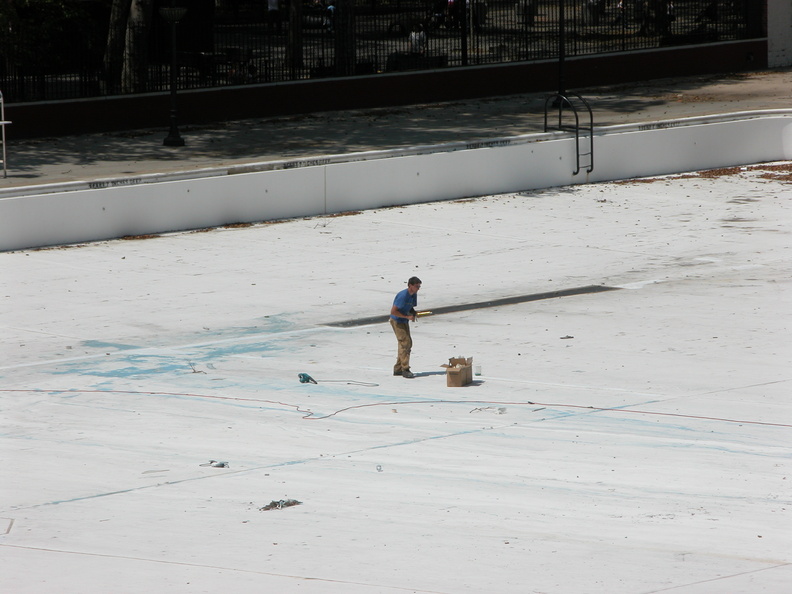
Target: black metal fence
(88,49)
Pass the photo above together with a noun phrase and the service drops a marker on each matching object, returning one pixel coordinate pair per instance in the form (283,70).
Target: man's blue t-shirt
(404,302)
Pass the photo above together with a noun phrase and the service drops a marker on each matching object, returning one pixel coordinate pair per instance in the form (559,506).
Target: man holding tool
(402,312)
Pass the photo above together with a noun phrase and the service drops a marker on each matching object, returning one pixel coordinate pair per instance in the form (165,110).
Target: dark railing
(237,42)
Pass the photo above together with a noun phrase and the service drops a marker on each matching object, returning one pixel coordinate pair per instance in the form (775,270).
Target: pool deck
(139,152)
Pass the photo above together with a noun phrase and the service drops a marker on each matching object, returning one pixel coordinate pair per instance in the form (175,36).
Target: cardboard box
(459,372)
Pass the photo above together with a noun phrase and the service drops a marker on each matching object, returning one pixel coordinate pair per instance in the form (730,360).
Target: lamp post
(173,14)
(560,100)
(561,48)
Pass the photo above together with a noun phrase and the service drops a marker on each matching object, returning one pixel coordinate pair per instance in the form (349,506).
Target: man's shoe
(408,374)
(397,372)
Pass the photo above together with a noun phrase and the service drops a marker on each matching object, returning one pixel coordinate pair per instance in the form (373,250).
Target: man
(402,312)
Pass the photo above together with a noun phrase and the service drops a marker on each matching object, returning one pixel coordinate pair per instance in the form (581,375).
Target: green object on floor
(306,379)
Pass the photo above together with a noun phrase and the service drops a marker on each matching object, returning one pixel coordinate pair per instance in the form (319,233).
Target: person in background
(418,40)
(401,314)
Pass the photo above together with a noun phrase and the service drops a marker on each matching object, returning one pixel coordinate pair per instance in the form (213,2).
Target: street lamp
(561,48)
(173,14)
(560,99)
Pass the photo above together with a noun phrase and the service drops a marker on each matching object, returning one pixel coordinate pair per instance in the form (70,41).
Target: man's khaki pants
(402,332)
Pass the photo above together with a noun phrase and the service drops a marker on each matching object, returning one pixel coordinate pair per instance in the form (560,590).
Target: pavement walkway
(136,152)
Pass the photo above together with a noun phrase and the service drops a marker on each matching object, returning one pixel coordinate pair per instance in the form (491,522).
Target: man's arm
(397,314)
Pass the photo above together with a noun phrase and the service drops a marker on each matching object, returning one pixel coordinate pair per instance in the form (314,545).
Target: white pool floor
(630,441)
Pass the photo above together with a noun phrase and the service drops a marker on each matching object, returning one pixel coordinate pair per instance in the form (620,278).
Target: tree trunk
(294,48)
(134,78)
(116,40)
(344,28)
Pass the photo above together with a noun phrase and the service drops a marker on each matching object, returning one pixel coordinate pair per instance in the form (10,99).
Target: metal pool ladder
(584,132)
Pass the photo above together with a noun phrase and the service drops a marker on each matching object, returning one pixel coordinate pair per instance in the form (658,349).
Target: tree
(41,37)
(344,33)
(116,44)
(134,77)
(126,55)
(294,48)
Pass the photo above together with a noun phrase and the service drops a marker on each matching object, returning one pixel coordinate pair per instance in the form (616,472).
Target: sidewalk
(53,160)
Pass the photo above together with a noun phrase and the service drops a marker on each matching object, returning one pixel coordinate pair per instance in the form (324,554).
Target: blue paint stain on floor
(101,345)
(213,352)
(152,361)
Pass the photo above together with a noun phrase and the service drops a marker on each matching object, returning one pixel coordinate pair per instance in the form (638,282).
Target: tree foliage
(49,33)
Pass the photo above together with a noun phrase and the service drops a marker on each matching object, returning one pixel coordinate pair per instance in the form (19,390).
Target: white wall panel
(449,175)
(89,215)
(386,178)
